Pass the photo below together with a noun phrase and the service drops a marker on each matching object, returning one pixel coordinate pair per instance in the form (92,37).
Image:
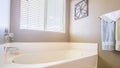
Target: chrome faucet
(11,50)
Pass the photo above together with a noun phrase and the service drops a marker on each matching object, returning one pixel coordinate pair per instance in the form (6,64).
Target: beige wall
(35,36)
(88,29)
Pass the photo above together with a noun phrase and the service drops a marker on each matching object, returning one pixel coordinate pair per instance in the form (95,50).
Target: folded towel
(115,15)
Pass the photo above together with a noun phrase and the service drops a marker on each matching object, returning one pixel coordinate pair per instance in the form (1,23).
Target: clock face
(81,9)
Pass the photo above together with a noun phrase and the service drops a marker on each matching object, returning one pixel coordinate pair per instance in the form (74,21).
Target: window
(45,15)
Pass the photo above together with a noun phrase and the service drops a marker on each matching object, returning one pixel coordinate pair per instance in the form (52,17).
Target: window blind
(47,15)
(32,14)
(55,15)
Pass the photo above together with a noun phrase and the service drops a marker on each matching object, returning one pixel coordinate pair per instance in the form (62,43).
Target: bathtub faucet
(11,50)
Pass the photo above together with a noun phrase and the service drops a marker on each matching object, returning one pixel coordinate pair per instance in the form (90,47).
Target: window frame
(45,19)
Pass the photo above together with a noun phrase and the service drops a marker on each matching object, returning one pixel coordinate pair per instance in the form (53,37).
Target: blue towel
(107,34)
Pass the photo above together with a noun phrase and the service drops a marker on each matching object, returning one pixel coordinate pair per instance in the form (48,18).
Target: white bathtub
(76,55)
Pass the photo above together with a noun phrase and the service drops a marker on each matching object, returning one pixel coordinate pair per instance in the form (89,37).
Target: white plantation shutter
(47,15)
(55,15)
(32,14)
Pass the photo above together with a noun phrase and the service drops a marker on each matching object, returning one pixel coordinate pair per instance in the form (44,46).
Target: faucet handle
(12,50)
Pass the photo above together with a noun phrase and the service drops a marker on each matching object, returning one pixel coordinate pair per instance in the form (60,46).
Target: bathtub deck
(89,60)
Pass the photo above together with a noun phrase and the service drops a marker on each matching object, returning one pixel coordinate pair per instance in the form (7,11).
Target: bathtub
(68,55)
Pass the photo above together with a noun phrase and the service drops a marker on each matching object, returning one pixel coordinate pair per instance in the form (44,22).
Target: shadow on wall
(106,62)
(102,63)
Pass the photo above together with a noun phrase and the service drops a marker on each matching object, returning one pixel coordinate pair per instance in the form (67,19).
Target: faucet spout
(11,50)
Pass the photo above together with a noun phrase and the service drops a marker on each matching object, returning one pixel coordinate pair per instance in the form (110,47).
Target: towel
(108,33)
(117,47)
(115,15)
(110,29)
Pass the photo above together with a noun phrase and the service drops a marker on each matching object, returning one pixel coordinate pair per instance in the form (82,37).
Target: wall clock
(81,9)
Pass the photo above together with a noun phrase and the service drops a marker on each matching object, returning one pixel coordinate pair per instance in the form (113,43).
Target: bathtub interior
(53,56)
(38,58)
